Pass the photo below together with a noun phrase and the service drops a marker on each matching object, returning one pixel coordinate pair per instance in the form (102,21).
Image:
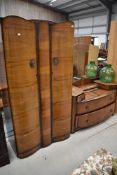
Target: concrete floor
(62,158)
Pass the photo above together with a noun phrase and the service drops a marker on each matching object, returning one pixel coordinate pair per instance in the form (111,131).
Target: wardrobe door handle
(32,63)
(55,60)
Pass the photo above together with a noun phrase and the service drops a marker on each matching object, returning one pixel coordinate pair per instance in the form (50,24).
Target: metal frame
(96,13)
(108,5)
(98,33)
(67,4)
(46,7)
(86,11)
(92,26)
(79,4)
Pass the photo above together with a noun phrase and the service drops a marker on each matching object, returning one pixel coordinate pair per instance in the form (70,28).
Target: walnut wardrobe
(38,60)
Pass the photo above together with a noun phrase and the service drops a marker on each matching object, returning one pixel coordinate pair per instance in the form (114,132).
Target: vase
(107,74)
(91,70)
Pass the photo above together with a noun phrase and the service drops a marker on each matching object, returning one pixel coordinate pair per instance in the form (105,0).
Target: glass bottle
(107,74)
(91,70)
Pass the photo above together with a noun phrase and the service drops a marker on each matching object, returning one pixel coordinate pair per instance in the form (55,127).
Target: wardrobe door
(21,67)
(44,78)
(62,65)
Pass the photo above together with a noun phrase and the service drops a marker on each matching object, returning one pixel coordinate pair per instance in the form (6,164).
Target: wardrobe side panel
(112,49)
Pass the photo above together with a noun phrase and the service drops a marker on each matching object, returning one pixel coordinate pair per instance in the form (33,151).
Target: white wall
(94,26)
(91,25)
(28,11)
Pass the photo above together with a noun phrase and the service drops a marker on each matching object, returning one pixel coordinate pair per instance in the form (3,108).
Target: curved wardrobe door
(62,65)
(20,58)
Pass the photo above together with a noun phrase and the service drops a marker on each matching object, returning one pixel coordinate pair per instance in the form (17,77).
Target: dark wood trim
(51,73)
(73,113)
(36,23)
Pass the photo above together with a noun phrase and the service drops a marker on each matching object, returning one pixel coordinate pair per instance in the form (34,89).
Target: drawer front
(92,118)
(92,105)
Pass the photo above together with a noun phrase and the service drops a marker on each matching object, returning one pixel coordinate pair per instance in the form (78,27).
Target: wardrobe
(38,61)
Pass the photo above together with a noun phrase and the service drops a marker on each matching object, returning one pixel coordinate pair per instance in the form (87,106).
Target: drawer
(95,104)
(93,118)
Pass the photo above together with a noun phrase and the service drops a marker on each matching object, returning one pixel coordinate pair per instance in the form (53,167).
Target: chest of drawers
(97,105)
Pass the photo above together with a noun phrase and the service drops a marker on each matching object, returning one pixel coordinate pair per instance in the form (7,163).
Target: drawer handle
(111,98)
(111,110)
(86,107)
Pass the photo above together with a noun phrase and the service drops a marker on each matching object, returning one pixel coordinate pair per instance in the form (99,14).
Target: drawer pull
(111,110)
(86,107)
(111,98)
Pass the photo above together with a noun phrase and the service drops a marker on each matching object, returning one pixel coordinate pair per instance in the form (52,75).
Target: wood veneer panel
(82,40)
(20,49)
(93,53)
(93,118)
(112,50)
(2,64)
(44,78)
(95,100)
(61,59)
(80,58)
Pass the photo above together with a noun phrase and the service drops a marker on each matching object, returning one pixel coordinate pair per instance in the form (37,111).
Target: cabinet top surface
(91,91)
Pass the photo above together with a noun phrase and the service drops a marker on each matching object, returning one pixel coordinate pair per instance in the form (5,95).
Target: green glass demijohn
(107,74)
(91,70)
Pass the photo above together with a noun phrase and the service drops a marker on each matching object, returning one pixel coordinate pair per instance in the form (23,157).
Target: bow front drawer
(96,103)
(93,118)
